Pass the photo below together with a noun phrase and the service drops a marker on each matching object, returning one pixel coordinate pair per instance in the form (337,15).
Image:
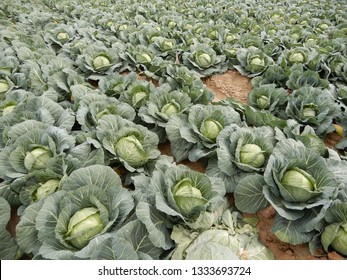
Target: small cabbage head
(171,24)
(167,45)
(4,86)
(46,189)
(213,34)
(257,64)
(83,226)
(263,102)
(143,58)
(252,155)
(187,196)
(229,38)
(203,59)
(100,62)
(299,184)
(297,57)
(170,109)
(139,97)
(340,241)
(130,149)
(310,110)
(106,111)
(210,129)
(37,158)
(63,37)
(323,26)
(122,27)
(8,110)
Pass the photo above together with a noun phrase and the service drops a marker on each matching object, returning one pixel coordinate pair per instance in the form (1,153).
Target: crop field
(173,130)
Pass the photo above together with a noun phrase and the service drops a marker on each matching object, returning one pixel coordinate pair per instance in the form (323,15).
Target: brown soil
(230,83)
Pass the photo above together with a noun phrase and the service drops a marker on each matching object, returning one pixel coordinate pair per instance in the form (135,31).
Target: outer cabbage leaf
(230,239)
(8,245)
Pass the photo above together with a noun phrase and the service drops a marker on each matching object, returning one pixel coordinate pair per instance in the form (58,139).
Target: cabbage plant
(70,223)
(313,106)
(194,135)
(131,145)
(165,47)
(269,98)
(274,74)
(163,103)
(137,93)
(138,57)
(10,82)
(99,60)
(303,133)
(302,78)
(252,61)
(334,235)
(93,106)
(298,183)
(175,194)
(114,84)
(297,55)
(203,60)
(179,77)
(241,151)
(59,34)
